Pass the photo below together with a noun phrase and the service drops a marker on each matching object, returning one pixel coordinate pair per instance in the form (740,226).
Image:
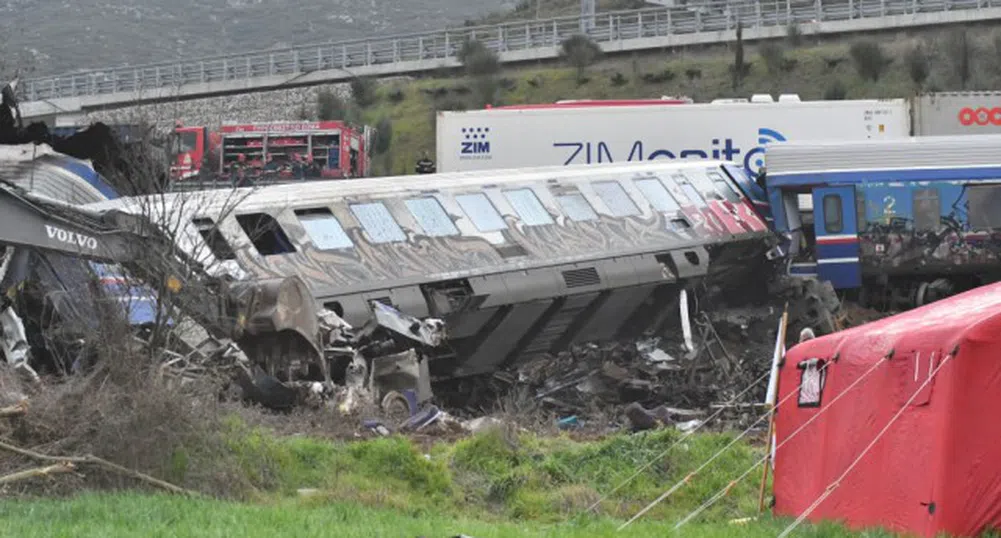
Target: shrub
(918,66)
(363,91)
(869,59)
(580,51)
(835,91)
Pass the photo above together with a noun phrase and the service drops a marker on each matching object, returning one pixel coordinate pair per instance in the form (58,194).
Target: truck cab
(191,149)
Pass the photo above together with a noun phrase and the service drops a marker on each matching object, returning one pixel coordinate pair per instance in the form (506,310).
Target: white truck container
(591,132)
(957,113)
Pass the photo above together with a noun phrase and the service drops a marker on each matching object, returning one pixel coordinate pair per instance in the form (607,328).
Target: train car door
(837,242)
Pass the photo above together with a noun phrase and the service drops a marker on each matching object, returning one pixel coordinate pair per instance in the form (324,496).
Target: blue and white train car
(905,220)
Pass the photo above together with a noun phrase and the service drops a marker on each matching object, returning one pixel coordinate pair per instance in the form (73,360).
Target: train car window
(723,186)
(576,207)
(927,210)
(833,222)
(214,239)
(265,233)
(657,194)
(323,229)
(615,198)
(528,207)
(378,222)
(432,217)
(693,195)
(482,212)
(984,202)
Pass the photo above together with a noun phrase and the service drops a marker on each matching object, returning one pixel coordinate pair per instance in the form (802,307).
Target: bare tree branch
(16,410)
(59,468)
(91,459)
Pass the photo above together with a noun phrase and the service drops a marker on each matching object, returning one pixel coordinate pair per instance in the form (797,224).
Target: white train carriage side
(517,262)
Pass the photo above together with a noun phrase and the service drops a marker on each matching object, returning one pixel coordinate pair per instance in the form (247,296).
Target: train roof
(915,158)
(296,193)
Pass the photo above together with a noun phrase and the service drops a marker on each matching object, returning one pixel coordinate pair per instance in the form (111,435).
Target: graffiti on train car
(420,255)
(922,228)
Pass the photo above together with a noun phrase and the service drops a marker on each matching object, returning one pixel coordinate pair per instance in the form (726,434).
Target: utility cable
(712,500)
(680,440)
(837,482)
(719,453)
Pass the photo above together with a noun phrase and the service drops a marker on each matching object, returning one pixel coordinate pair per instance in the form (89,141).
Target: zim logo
(71,238)
(475,143)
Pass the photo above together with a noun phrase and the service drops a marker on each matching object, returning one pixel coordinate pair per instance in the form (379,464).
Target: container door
(837,243)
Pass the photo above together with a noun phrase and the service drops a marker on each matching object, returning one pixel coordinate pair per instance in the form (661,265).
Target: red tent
(937,467)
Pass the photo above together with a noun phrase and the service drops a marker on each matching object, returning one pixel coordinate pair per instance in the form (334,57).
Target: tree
(918,66)
(739,67)
(383,136)
(869,59)
(773,56)
(959,49)
(581,52)
(478,60)
(363,91)
(482,64)
(329,106)
(836,91)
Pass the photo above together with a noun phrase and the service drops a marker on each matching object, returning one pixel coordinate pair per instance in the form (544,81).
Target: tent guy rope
(837,481)
(680,440)
(719,453)
(722,493)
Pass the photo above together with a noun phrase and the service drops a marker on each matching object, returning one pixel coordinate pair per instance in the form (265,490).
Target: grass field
(113,516)
(499,483)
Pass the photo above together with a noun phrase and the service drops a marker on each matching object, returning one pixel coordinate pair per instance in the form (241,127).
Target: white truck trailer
(588,132)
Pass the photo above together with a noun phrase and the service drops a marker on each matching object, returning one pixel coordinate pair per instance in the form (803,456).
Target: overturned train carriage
(516,262)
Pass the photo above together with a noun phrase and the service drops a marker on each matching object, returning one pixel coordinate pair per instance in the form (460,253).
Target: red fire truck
(273,151)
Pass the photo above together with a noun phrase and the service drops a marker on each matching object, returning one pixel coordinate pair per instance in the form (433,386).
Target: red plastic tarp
(937,468)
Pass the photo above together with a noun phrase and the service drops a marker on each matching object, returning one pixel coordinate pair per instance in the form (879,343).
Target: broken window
(323,229)
(811,382)
(657,194)
(984,202)
(576,207)
(481,211)
(527,205)
(431,216)
(615,198)
(927,209)
(833,223)
(265,233)
(723,186)
(213,238)
(378,223)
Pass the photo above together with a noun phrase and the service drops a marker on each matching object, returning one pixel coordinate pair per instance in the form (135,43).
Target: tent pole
(779,353)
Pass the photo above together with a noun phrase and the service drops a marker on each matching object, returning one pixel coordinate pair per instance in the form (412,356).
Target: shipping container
(590,132)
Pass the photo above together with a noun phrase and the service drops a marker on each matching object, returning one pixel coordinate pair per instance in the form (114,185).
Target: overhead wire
(837,481)
(719,453)
(722,493)
(680,440)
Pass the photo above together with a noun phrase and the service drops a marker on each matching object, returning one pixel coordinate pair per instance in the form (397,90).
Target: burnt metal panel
(615,310)
(556,325)
(495,348)
(690,262)
(468,324)
(410,300)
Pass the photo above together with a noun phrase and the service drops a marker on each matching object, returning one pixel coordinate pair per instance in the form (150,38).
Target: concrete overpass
(66,96)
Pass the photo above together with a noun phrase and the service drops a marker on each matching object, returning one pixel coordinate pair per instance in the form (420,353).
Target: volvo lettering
(72,238)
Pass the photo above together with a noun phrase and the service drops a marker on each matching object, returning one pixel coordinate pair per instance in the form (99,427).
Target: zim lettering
(471,148)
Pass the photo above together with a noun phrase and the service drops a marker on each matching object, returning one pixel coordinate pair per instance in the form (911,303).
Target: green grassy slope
(811,69)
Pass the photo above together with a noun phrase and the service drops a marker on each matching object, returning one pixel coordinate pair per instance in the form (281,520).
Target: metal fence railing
(707,16)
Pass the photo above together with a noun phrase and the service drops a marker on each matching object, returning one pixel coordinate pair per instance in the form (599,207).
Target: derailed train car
(516,262)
